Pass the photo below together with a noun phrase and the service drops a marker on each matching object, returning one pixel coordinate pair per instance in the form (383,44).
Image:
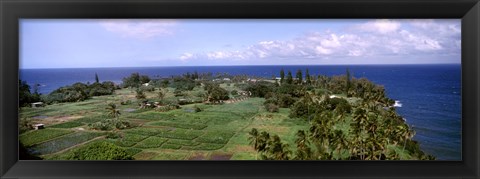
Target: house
(37,104)
(39,126)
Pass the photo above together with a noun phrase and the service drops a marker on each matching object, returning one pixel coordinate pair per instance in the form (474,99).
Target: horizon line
(377,64)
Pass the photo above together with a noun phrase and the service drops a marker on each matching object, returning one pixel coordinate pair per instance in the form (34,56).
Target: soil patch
(55,119)
(221,156)
(197,157)
(145,155)
(244,148)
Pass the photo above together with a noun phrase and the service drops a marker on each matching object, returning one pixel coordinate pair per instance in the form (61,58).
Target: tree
(140,94)
(215,93)
(299,77)
(282,76)
(307,77)
(348,86)
(304,152)
(96,78)
(144,79)
(25,96)
(289,78)
(254,139)
(160,95)
(132,81)
(112,110)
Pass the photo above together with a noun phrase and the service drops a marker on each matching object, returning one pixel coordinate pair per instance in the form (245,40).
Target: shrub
(234,92)
(113,135)
(110,124)
(127,102)
(148,88)
(270,107)
(197,109)
(100,151)
(140,94)
(24,125)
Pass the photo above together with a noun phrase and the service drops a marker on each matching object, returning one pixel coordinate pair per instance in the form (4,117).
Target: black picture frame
(12,10)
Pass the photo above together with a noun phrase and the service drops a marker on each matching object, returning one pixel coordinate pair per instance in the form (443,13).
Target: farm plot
(70,124)
(64,142)
(215,132)
(38,136)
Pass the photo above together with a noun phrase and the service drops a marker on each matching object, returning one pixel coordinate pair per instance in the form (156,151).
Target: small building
(38,126)
(37,104)
(226,79)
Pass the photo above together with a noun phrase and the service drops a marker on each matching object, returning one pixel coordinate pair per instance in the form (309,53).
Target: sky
(74,43)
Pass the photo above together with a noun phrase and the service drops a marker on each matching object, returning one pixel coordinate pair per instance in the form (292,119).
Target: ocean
(428,96)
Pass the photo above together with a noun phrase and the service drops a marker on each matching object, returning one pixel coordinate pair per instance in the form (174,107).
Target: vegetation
(99,151)
(79,92)
(343,130)
(303,118)
(135,80)
(25,96)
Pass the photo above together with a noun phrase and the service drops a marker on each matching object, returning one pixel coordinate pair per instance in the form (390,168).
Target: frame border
(12,10)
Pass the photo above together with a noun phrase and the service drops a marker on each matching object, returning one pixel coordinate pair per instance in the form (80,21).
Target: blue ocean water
(430,95)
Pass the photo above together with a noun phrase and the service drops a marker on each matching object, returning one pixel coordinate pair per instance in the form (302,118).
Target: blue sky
(182,42)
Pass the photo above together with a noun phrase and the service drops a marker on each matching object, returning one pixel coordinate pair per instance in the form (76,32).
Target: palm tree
(113,111)
(277,149)
(254,139)
(303,150)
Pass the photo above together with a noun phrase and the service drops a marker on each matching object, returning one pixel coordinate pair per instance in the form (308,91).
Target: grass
(91,119)
(38,136)
(218,137)
(144,131)
(70,124)
(128,140)
(180,125)
(151,142)
(180,134)
(171,146)
(182,142)
(204,146)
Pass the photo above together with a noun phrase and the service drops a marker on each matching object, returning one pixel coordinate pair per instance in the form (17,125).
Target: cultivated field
(217,132)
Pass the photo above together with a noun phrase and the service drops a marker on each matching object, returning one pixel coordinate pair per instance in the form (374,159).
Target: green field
(218,132)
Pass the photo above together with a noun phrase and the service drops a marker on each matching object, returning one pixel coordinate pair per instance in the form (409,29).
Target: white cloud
(186,56)
(331,42)
(382,26)
(141,29)
(421,42)
(370,39)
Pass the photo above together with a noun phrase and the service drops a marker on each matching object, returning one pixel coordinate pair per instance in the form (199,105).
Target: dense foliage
(359,123)
(135,80)
(79,92)
(25,95)
(215,93)
(99,151)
